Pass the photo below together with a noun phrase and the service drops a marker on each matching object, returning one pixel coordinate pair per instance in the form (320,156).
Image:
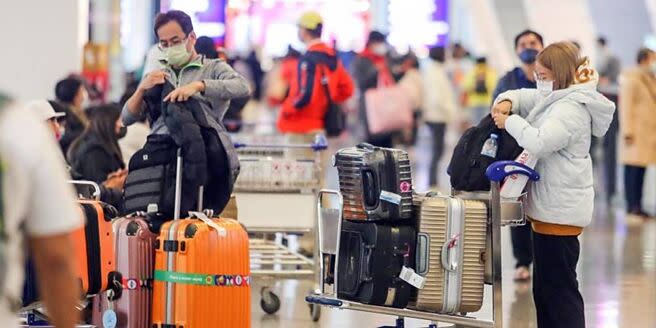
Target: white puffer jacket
(557,129)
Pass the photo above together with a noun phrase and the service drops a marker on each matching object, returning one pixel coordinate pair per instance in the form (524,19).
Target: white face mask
(544,87)
(380,49)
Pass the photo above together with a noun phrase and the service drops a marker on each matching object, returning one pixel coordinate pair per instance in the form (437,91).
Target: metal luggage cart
(277,190)
(501,213)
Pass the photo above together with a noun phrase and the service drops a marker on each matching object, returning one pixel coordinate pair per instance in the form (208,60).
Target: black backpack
(467,166)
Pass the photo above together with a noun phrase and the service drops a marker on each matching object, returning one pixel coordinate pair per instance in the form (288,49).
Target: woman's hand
(502,108)
(500,120)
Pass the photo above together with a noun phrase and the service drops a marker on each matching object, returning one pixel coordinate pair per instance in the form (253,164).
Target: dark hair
(528,32)
(481,60)
(601,40)
(316,32)
(67,89)
(102,124)
(576,44)
(57,106)
(205,46)
(375,36)
(412,59)
(437,54)
(643,54)
(177,16)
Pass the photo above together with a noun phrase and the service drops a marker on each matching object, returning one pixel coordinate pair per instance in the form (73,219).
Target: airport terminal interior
(328,163)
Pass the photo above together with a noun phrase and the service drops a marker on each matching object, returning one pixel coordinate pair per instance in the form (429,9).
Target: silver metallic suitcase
(450,254)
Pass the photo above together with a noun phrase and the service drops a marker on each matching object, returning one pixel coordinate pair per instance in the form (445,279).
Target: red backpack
(339,83)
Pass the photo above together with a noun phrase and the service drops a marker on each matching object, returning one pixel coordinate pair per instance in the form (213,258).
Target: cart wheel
(315,312)
(270,302)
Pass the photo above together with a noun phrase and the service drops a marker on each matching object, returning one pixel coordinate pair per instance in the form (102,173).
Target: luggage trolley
(277,190)
(501,212)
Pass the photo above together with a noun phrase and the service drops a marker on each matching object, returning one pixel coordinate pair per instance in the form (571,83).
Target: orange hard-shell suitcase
(94,248)
(202,273)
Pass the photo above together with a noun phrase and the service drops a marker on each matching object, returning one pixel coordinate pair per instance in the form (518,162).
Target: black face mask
(122,132)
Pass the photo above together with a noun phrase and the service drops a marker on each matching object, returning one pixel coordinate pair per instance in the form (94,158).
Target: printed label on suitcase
(390,197)
(221,280)
(408,275)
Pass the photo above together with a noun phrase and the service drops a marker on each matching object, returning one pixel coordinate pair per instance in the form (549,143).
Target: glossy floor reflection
(617,273)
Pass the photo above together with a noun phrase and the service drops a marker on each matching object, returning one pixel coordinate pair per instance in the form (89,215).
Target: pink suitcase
(135,259)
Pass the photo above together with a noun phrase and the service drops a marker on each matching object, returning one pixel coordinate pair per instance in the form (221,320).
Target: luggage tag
(410,276)
(390,197)
(203,217)
(109,318)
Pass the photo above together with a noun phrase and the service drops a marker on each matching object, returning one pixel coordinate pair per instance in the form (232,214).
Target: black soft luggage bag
(375,182)
(371,257)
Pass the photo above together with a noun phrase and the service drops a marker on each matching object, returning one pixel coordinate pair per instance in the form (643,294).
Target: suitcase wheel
(315,312)
(269,302)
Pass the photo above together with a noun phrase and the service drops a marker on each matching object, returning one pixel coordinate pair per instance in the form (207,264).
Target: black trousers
(558,302)
(634,179)
(522,244)
(437,135)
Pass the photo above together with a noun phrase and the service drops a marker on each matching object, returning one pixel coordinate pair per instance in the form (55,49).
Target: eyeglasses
(164,44)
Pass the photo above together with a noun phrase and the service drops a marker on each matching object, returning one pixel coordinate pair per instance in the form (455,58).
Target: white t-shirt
(36,199)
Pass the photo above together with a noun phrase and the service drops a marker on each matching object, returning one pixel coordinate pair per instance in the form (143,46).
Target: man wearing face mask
(527,46)
(213,82)
(366,69)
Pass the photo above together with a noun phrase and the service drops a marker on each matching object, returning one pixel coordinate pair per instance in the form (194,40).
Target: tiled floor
(617,274)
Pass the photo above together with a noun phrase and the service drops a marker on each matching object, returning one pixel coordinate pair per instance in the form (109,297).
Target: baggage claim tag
(410,276)
(390,197)
(109,318)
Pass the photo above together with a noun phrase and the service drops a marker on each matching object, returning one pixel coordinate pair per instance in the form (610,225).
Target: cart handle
(96,187)
(320,143)
(498,171)
(323,301)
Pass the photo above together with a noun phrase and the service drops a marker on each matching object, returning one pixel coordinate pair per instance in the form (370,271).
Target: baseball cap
(43,109)
(310,20)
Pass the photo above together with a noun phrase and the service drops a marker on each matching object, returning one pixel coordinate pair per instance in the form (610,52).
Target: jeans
(634,179)
(438,131)
(558,302)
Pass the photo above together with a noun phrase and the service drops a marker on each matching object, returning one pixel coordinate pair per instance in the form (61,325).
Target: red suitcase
(135,259)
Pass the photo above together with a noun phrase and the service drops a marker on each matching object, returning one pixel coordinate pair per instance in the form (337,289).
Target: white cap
(43,110)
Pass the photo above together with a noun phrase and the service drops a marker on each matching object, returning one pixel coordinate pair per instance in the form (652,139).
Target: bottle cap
(494,136)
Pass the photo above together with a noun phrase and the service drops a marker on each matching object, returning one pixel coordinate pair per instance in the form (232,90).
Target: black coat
(92,161)
(205,153)
(73,129)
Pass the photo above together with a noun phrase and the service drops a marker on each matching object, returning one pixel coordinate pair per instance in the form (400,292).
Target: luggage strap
(218,280)
(203,217)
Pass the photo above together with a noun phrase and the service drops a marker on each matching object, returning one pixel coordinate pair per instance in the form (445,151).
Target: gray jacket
(222,84)
(557,129)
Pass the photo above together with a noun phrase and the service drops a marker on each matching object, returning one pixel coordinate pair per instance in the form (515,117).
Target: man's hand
(502,108)
(116,180)
(500,120)
(185,92)
(152,79)
(56,270)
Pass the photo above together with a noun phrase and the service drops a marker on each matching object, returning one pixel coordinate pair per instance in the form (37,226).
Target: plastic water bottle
(490,146)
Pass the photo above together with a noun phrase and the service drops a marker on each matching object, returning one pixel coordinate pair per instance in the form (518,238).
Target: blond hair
(567,65)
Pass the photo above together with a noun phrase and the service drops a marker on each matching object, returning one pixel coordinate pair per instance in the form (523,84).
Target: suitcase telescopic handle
(96,187)
(498,171)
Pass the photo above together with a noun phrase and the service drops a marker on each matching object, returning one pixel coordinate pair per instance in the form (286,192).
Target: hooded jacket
(557,129)
(304,109)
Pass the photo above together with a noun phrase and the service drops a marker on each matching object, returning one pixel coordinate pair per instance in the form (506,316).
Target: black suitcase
(371,257)
(376,183)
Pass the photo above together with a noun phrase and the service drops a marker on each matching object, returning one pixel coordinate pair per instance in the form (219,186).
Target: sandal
(522,274)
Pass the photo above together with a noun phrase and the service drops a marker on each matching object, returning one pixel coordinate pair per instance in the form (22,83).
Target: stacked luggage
(401,249)
(191,272)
